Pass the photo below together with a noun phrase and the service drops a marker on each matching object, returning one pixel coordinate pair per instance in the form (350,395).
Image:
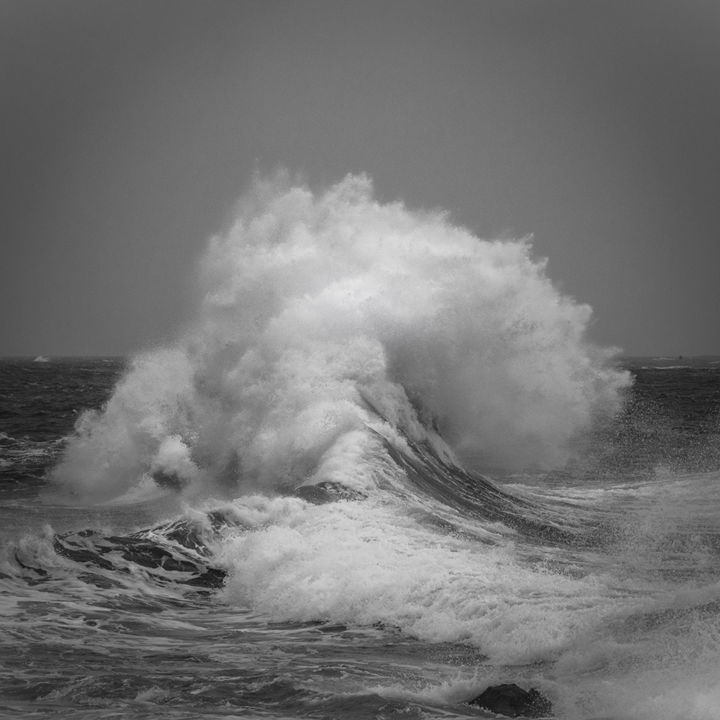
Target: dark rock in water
(513,701)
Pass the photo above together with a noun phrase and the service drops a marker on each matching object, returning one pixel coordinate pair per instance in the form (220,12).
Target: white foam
(315,301)
(366,563)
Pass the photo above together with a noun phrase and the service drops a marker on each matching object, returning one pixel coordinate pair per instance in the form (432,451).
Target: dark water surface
(597,582)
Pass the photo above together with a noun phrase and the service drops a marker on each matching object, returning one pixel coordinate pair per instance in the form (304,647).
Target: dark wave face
(41,402)
(382,469)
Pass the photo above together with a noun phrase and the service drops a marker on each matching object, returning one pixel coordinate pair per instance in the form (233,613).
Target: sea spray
(325,313)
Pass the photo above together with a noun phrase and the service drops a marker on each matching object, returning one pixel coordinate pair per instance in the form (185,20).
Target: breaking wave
(329,320)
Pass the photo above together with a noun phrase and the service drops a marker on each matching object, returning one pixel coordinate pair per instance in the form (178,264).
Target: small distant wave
(677,362)
(665,367)
(24,459)
(41,359)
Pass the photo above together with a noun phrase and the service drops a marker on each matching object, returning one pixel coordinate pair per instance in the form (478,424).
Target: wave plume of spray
(318,306)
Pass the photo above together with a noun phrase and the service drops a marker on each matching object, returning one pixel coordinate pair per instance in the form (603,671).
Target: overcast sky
(128,129)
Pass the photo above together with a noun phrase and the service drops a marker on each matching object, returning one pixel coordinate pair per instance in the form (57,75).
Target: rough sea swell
(286,512)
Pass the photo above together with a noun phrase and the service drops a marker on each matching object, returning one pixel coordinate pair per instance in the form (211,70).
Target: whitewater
(381,468)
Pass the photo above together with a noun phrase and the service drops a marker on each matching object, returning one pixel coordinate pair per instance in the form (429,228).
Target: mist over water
(328,313)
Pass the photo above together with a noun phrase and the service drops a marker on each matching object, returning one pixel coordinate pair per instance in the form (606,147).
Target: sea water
(381,469)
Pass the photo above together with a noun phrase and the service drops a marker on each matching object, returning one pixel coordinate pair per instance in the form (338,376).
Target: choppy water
(600,588)
(381,469)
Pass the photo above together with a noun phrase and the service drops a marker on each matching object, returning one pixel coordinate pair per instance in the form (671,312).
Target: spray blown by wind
(326,314)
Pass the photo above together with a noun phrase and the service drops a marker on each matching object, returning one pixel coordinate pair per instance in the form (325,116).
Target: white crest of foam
(316,302)
(346,562)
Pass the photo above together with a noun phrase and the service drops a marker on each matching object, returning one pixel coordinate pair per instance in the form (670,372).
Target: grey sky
(128,129)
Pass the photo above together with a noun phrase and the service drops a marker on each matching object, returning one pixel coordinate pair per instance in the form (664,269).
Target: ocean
(381,469)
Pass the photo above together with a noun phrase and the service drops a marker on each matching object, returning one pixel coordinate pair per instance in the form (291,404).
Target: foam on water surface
(282,511)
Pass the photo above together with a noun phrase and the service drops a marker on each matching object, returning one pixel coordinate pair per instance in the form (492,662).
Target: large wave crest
(325,313)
